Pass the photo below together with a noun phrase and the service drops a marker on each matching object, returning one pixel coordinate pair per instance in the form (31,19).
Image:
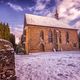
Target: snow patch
(50,22)
(48,66)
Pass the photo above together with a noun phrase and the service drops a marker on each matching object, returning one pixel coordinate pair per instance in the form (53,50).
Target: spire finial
(56,14)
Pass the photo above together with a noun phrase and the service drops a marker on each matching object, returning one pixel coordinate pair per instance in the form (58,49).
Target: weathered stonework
(64,36)
(32,43)
(7,65)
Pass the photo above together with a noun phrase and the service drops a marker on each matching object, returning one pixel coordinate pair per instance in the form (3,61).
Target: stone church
(43,34)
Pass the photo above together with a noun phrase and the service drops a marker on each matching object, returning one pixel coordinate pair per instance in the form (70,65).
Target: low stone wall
(7,65)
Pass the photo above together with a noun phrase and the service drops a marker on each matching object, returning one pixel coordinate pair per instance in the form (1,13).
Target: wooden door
(42,48)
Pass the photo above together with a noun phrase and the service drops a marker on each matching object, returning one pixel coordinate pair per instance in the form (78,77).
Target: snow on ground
(48,66)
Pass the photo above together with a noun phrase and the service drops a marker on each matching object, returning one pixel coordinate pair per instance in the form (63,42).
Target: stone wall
(7,65)
(33,40)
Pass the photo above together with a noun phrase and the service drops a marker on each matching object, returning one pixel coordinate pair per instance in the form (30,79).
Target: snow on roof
(45,21)
(3,40)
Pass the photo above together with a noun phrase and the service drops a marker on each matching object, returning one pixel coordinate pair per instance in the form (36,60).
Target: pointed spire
(57,15)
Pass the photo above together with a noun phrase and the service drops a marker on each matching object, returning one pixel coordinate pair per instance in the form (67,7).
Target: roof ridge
(41,20)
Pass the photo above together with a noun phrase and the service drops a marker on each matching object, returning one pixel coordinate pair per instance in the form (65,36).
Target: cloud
(77,25)
(41,4)
(15,7)
(42,7)
(17,31)
(69,9)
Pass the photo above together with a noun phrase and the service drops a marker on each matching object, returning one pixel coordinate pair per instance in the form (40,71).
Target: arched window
(50,36)
(67,37)
(55,36)
(60,41)
(42,35)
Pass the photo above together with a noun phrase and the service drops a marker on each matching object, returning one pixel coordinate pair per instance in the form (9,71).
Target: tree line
(5,33)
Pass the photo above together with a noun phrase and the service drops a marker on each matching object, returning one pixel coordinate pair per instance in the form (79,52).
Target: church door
(42,48)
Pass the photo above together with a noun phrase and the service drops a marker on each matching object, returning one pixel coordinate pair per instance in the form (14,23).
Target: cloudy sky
(12,12)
